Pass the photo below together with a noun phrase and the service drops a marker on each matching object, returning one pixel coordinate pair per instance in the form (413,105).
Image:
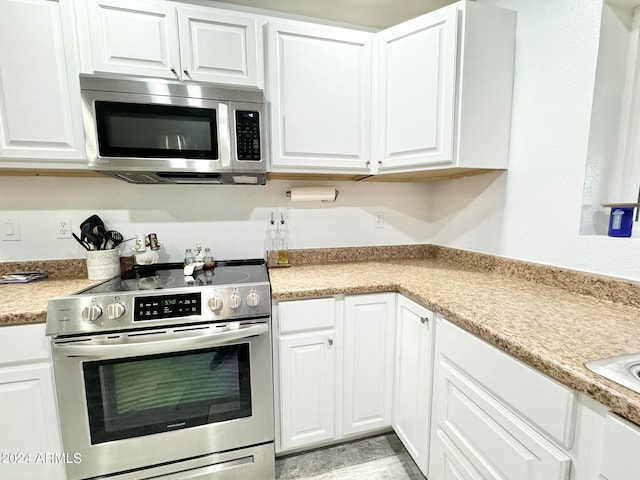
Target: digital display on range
(166,306)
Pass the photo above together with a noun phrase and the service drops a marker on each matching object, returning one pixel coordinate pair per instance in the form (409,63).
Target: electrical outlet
(378,220)
(63,228)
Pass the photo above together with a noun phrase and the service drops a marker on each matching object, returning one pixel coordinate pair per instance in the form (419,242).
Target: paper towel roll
(313,194)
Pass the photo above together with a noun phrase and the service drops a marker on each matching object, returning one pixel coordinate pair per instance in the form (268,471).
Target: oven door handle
(155,343)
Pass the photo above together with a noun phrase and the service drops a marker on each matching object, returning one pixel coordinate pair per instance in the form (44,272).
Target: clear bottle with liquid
(283,242)
(207,258)
(272,242)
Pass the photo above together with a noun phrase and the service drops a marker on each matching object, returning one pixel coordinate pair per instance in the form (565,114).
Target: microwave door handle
(224,134)
(156,344)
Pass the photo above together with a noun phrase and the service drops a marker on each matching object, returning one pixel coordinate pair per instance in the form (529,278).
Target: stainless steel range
(159,375)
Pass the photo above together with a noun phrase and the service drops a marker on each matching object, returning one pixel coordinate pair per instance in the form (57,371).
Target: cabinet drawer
(545,403)
(304,315)
(489,435)
(24,343)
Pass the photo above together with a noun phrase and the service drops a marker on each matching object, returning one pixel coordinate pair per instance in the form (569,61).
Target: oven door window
(138,396)
(156,131)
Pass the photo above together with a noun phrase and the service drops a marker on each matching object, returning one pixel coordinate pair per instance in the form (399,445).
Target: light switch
(10,229)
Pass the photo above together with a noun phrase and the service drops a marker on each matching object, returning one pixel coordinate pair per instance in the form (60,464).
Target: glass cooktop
(171,275)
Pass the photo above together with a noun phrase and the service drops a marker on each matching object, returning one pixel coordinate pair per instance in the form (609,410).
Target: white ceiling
(372,13)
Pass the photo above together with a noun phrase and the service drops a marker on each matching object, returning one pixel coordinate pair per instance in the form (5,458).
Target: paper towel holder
(336,192)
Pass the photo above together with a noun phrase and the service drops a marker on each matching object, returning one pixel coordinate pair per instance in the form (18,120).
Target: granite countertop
(27,302)
(555,320)
(552,328)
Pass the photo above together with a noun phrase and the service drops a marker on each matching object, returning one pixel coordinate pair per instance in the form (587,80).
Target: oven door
(139,400)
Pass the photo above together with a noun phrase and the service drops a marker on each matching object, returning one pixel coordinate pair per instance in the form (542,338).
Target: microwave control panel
(248,135)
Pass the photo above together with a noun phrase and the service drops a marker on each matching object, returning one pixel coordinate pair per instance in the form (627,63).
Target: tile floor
(375,458)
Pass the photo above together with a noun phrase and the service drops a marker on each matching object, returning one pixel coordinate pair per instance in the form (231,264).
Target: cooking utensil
(91,229)
(84,244)
(101,234)
(113,239)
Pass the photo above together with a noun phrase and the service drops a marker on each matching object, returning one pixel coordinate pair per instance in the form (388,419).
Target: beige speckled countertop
(552,328)
(27,302)
(552,319)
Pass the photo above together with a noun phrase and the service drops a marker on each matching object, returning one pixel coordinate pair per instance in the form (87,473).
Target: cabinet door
(368,362)
(620,446)
(218,47)
(29,424)
(307,388)
(416,96)
(319,85)
(39,91)
(412,388)
(134,37)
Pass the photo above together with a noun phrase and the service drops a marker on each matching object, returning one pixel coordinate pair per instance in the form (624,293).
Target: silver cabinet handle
(330,342)
(424,320)
(173,70)
(186,72)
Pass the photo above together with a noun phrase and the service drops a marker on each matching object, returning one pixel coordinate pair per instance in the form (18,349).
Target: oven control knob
(215,303)
(91,313)
(253,299)
(115,310)
(234,300)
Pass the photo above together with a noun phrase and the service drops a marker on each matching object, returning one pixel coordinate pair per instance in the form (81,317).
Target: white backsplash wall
(232,220)
(532,212)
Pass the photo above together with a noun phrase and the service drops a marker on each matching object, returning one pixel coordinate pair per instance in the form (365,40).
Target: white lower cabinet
(464,409)
(334,368)
(307,358)
(412,379)
(368,362)
(30,443)
(620,447)
(493,429)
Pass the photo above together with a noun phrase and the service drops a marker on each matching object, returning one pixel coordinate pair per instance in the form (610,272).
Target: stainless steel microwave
(162,131)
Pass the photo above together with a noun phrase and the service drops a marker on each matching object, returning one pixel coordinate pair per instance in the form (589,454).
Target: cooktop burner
(171,275)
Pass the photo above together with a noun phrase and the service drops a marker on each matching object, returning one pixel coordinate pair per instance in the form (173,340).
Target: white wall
(605,159)
(533,211)
(232,220)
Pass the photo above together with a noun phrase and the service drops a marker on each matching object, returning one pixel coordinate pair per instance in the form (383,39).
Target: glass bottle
(283,243)
(272,242)
(208,258)
(189,258)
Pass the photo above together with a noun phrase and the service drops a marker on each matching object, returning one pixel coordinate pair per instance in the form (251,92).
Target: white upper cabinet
(438,97)
(445,87)
(40,119)
(319,86)
(416,100)
(217,47)
(162,39)
(134,37)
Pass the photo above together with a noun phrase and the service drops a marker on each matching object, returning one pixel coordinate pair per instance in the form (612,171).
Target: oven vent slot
(67,342)
(146,334)
(189,329)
